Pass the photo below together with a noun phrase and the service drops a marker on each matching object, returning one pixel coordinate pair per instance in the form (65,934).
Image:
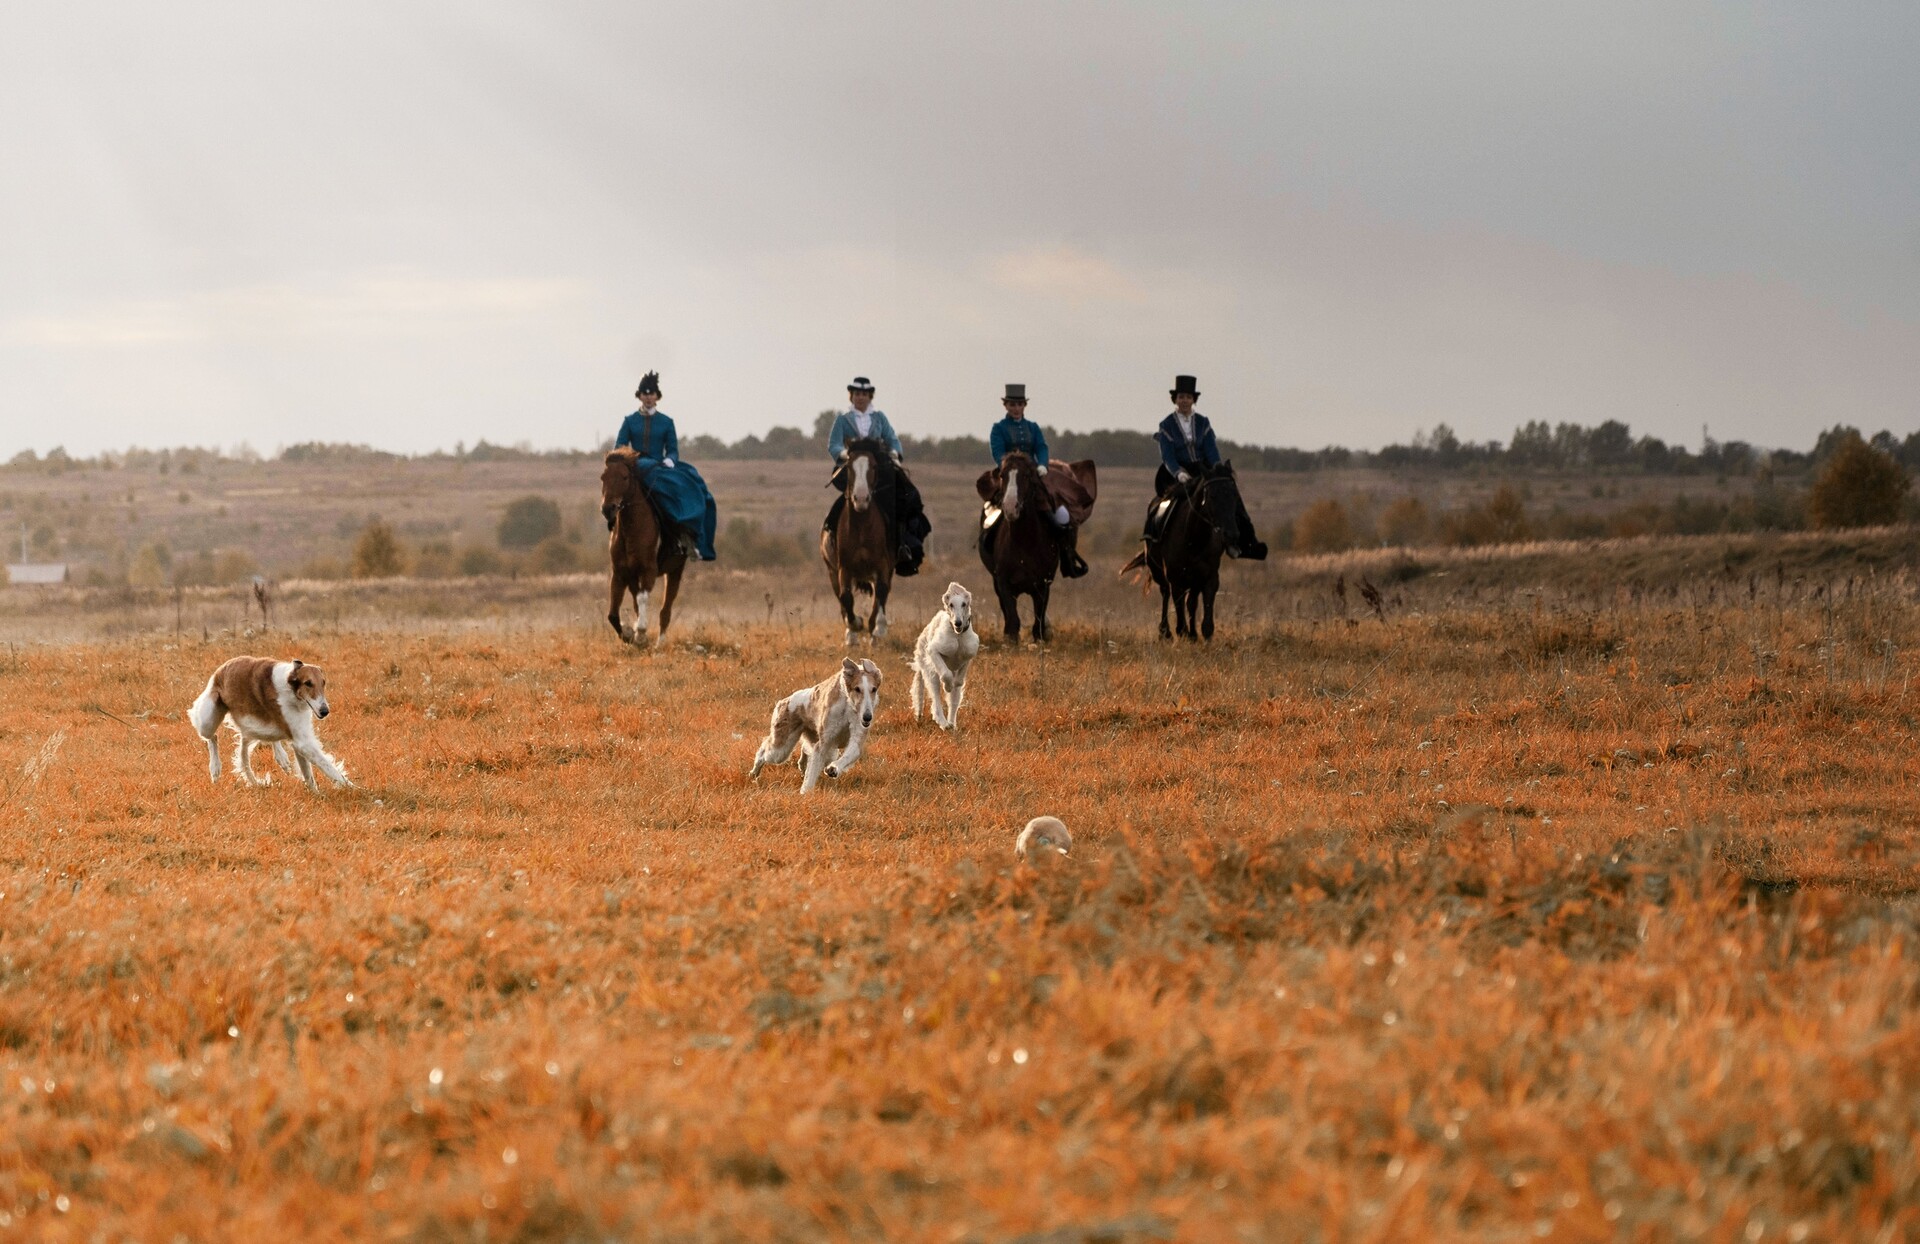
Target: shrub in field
(747,545)
(377,554)
(1859,487)
(323,567)
(152,566)
(529,522)
(434,560)
(1323,528)
(477,559)
(1405,522)
(555,556)
(1502,519)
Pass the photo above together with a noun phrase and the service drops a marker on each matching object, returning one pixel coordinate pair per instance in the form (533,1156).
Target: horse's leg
(642,601)
(877,620)
(1042,630)
(1193,614)
(666,606)
(1181,622)
(1206,597)
(846,607)
(618,593)
(1166,598)
(1010,609)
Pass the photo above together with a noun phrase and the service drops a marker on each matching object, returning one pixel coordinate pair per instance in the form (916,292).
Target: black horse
(1185,561)
(1017,543)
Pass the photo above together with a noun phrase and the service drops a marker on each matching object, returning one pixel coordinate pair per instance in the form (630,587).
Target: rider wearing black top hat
(1187,450)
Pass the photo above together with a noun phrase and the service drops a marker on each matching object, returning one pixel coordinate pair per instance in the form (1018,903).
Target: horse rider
(676,488)
(861,422)
(1187,450)
(1017,432)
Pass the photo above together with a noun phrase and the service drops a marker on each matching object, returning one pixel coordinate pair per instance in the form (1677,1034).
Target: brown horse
(1185,560)
(859,549)
(640,547)
(1017,542)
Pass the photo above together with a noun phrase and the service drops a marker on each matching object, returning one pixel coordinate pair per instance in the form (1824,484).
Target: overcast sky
(411,224)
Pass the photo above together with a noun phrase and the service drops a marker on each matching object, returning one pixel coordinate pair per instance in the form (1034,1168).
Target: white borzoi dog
(941,655)
(827,722)
(264,701)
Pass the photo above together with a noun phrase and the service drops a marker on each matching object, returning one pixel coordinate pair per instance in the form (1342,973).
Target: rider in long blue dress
(1189,449)
(683,497)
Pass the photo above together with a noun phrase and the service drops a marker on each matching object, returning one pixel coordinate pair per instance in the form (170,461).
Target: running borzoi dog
(265,701)
(827,722)
(941,655)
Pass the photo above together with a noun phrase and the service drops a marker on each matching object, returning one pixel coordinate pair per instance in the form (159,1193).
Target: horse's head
(1019,477)
(958,604)
(864,456)
(1216,496)
(861,682)
(616,479)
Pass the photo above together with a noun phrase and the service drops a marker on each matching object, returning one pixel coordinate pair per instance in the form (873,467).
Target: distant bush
(1323,528)
(152,566)
(1860,486)
(478,559)
(529,522)
(1501,520)
(377,554)
(1404,523)
(323,568)
(434,560)
(744,544)
(555,556)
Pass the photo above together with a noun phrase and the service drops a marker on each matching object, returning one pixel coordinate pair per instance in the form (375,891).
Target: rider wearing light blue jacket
(683,497)
(862,422)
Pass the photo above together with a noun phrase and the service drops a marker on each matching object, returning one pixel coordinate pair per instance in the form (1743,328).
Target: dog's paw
(833,771)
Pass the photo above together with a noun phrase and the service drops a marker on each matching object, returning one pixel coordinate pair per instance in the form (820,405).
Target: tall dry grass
(1491,923)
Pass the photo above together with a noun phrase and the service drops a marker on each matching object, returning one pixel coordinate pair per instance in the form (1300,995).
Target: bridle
(1204,504)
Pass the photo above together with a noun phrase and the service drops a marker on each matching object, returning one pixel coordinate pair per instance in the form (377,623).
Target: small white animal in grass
(828,722)
(1043,836)
(266,701)
(946,647)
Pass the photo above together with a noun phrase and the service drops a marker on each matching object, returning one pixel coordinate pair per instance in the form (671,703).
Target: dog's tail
(205,713)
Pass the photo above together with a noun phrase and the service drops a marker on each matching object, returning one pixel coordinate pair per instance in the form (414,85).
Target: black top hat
(1015,393)
(649,383)
(1184,384)
(860,384)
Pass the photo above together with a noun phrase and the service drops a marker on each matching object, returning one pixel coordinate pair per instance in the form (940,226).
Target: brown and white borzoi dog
(946,647)
(827,722)
(266,701)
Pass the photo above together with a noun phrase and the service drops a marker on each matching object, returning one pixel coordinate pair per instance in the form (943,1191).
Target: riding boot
(907,561)
(1071,564)
(1250,548)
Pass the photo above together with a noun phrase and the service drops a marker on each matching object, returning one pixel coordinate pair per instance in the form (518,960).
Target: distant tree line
(1608,448)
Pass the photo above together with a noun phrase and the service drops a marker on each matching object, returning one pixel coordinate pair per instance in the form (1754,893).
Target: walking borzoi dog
(941,655)
(264,701)
(828,722)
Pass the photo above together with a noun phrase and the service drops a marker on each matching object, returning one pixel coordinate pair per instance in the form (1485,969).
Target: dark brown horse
(859,549)
(1185,560)
(640,547)
(1017,542)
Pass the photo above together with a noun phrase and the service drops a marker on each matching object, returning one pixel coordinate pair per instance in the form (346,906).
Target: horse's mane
(628,452)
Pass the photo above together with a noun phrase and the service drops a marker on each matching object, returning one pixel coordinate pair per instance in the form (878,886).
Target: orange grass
(1477,925)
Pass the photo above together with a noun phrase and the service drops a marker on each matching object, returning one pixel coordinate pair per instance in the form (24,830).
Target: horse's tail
(1137,562)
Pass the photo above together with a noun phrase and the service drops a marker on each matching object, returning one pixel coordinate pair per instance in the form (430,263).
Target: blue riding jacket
(679,491)
(844,431)
(1022,434)
(1177,453)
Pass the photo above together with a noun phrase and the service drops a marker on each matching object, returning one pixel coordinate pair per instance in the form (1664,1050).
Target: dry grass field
(1573,899)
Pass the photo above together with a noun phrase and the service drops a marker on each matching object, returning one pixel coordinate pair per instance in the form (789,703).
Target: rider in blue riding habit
(1017,432)
(1187,450)
(677,489)
(861,422)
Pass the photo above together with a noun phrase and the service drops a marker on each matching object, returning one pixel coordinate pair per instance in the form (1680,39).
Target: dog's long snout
(321,709)
(866,719)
